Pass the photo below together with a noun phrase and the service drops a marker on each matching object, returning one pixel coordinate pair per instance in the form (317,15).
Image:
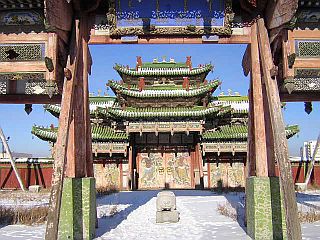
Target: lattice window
(309,48)
(307,72)
(22,52)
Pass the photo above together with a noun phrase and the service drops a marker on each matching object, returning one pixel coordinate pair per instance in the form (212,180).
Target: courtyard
(131,215)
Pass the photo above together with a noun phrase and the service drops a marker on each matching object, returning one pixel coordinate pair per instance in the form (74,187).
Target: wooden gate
(164,170)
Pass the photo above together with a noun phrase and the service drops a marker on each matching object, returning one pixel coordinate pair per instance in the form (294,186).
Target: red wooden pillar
(130,170)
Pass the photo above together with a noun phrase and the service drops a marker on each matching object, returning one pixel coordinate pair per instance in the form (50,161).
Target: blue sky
(226,59)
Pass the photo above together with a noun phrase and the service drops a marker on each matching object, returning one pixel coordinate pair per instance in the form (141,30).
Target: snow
(131,215)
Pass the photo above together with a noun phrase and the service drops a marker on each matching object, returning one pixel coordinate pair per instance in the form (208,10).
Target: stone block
(166,200)
(300,187)
(78,209)
(265,211)
(34,188)
(167,216)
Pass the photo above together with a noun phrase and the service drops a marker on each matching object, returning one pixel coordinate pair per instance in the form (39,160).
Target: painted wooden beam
(234,39)
(29,99)
(300,97)
(279,135)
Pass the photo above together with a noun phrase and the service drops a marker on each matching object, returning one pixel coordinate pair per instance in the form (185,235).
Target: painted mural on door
(164,170)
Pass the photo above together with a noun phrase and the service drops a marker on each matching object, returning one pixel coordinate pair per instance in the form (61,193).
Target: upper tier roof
(163,69)
(153,92)
(164,112)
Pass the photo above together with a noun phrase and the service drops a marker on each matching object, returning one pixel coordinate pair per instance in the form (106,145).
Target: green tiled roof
(163,71)
(165,112)
(233,98)
(240,132)
(54,109)
(164,65)
(155,93)
(98,133)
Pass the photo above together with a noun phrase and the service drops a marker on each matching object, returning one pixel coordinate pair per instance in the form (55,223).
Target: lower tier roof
(99,134)
(239,132)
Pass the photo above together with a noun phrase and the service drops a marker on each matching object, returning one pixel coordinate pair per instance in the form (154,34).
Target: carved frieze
(303,84)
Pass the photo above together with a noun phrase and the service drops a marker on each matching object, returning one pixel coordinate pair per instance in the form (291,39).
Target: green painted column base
(78,209)
(265,213)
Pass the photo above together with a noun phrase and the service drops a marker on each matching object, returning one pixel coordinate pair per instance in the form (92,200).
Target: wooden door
(164,170)
(178,170)
(151,170)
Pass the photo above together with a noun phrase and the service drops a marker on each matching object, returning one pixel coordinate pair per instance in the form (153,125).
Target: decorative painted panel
(151,170)
(165,17)
(21,18)
(308,48)
(107,176)
(137,13)
(226,175)
(22,52)
(178,170)
(164,170)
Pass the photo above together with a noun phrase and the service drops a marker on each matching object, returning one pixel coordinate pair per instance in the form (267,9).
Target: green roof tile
(239,132)
(163,71)
(149,112)
(156,93)
(99,134)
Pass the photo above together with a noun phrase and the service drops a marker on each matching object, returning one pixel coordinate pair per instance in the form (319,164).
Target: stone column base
(78,209)
(264,206)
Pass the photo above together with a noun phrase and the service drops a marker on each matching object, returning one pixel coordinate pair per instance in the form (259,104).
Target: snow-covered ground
(131,215)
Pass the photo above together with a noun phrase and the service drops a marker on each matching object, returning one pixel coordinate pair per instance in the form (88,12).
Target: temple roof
(162,69)
(240,132)
(171,91)
(165,112)
(239,104)
(105,101)
(99,133)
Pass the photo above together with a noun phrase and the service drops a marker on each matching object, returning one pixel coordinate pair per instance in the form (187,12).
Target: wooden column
(199,157)
(279,135)
(259,135)
(62,139)
(88,139)
(130,165)
(76,160)
(251,166)
(269,135)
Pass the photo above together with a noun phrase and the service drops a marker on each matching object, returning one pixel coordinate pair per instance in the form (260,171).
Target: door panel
(164,170)
(178,170)
(151,170)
